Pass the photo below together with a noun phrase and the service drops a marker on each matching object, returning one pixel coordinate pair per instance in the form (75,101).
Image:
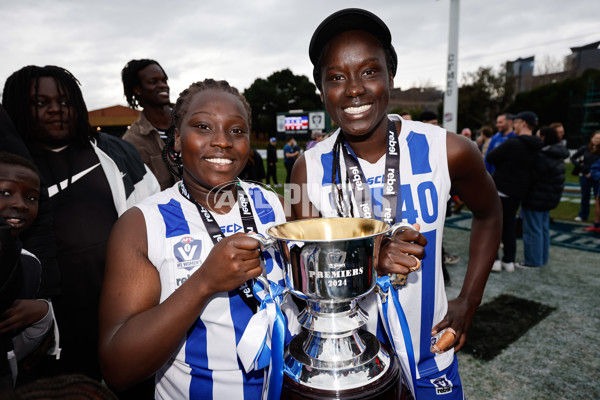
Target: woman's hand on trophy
(231,262)
(402,253)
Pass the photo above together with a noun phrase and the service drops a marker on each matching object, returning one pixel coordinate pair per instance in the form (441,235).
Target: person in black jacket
(547,184)
(272,162)
(255,167)
(582,160)
(513,161)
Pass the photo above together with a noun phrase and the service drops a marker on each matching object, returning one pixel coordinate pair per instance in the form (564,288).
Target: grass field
(555,357)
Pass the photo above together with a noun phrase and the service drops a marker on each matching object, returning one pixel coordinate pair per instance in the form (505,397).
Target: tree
(482,96)
(573,102)
(549,65)
(280,92)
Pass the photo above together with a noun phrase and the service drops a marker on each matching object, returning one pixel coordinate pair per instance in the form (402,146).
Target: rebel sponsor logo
(393,143)
(187,252)
(245,206)
(366,210)
(390,182)
(358,183)
(206,214)
(246,290)
(442,385)
(387,215)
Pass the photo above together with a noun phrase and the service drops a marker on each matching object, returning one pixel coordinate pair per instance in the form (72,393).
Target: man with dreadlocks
(145,85)
(91,178)
(385,167)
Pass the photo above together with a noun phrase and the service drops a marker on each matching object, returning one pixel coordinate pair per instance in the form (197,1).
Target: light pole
(451,95)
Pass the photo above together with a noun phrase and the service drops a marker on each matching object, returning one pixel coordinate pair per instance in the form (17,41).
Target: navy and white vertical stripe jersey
(425,188)
(206,364)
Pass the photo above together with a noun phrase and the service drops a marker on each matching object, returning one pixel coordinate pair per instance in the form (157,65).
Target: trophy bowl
(330,259)
(330,264)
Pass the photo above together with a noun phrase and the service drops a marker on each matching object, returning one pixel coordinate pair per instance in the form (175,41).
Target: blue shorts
(442,385)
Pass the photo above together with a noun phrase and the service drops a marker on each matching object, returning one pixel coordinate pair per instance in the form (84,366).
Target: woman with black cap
(408,168)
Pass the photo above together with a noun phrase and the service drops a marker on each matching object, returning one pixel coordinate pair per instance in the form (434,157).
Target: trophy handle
(265,243)
(399,280)
(398,227)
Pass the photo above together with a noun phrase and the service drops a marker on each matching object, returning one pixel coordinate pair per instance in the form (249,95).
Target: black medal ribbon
(215,233)
(391,209)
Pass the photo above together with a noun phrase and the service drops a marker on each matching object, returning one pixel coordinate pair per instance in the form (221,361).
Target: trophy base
(387,387)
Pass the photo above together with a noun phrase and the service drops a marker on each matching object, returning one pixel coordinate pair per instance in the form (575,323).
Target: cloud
(244,40)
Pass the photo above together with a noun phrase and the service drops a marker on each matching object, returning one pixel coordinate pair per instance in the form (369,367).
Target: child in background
(25,322)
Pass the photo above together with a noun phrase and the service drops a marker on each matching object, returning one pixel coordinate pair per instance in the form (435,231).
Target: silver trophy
(330,263)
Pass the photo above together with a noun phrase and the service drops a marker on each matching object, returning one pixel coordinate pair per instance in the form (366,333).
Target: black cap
(528,116)
(351,19)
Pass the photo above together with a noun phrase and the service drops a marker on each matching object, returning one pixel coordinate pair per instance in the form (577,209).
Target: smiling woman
(178,273)
(214,140)
(384,167)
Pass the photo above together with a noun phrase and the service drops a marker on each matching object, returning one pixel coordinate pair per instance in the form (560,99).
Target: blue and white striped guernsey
(206,364)
(425,188)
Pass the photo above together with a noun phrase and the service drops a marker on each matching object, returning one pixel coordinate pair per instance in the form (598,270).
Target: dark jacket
(513,161)
(130,182)
(255,169)
(548,178)
(271,154)
(148,143)
(583,159)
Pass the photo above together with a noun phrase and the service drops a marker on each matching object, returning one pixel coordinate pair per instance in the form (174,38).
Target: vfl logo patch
(187,252)
(442,385)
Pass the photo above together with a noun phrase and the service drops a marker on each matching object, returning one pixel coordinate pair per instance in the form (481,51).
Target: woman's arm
(477,190)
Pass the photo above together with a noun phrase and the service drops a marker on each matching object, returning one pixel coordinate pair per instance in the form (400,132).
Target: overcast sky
(241,41)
